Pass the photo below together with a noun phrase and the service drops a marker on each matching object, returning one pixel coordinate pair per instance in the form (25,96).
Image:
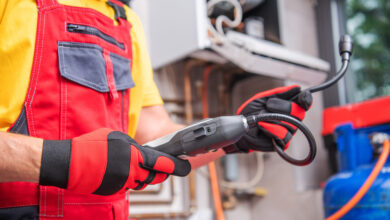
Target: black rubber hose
(332,81)
(345,50)
(268,117)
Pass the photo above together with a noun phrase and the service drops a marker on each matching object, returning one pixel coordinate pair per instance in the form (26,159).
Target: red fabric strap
(46,3)
(51,202)
(110,74)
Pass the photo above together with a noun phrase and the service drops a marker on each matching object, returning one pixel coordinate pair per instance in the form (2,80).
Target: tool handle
(202,137)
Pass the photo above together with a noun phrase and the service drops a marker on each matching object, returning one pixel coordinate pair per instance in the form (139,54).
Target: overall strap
(46,3)
(120,12)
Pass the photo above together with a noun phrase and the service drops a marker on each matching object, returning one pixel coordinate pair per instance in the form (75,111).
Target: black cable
(345,51)
(252,121)
(330,82)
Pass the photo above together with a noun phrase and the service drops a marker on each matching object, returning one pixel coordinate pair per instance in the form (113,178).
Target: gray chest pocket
(84,64)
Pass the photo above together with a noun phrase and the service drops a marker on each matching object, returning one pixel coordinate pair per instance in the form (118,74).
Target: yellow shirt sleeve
(145,92)
(17,41)
(141,62)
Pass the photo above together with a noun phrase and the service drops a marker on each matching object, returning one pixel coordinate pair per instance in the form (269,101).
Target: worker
(76,85)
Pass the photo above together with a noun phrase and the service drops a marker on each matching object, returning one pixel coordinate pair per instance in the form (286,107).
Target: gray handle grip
(202,137)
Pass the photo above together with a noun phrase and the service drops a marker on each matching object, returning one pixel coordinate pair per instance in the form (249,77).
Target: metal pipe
(187,88)
(212,169)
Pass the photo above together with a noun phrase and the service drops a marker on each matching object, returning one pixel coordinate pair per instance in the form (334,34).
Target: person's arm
(20,157)
(154,122)
(102,162)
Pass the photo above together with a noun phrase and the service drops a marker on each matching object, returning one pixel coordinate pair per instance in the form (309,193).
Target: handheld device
(214,133)
(207,135)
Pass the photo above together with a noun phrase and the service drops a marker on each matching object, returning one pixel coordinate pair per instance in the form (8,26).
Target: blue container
(356,162)
(343,186)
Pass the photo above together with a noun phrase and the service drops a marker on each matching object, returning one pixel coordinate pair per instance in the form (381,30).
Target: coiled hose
(269,117)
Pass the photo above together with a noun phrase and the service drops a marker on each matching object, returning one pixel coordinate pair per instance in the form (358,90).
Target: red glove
(105,162)
(272,101)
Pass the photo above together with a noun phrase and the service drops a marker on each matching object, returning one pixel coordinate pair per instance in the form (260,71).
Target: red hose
(366,186)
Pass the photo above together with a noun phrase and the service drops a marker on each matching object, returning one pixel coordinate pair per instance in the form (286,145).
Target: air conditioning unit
(177,29)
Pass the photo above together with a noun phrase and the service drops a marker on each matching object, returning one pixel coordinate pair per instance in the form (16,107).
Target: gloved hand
(277,100)
(105,162)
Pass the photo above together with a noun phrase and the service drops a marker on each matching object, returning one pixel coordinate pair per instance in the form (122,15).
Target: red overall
(80,81)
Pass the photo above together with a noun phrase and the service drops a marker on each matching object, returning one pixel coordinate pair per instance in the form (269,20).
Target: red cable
(366,186)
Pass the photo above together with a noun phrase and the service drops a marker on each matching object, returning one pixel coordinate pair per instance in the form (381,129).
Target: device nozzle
(346,44)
